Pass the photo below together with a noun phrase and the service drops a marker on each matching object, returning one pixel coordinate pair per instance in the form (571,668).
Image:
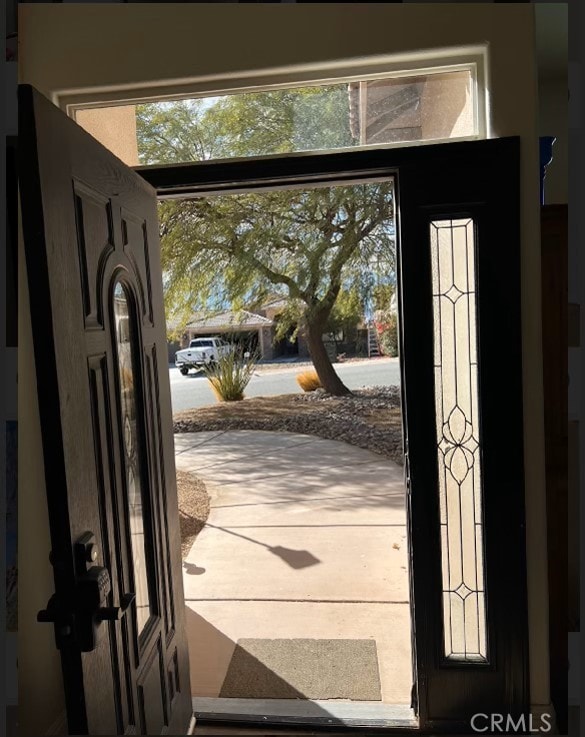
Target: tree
(386,318)
(233,250)
(249,124)
(346,314)
(382,296)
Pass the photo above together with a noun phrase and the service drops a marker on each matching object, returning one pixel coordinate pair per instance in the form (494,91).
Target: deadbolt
(86,551)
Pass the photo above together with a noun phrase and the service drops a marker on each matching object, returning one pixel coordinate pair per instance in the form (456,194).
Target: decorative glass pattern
(458,449)
(130,437)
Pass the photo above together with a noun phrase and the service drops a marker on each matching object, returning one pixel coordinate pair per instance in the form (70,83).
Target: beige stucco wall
(115,127)
(447,106)
(70,47)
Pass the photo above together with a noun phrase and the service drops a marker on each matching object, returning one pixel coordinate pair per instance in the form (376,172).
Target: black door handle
(82,614)
(115,613)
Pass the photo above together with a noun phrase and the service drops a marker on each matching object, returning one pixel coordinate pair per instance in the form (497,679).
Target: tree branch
(275,277)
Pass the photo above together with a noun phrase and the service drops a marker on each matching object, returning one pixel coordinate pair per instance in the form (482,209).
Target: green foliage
(176,132)
(386,319)
(382,296)
(230,374)
(317,247)
(346,314)
(312,245)
(289,321)
(387,327)
(249,124)
(233,250)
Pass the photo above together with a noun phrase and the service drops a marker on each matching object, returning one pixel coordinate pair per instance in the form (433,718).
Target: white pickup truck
(201,352)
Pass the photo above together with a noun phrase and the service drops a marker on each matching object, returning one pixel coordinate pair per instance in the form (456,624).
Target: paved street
(188,392)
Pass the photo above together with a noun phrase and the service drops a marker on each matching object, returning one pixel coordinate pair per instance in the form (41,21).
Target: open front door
(92,252)
(91,242)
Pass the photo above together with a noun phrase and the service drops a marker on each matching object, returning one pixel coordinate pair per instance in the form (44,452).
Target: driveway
(188,392)
(306,538)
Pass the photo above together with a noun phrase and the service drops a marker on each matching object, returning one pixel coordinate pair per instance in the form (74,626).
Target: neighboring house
(253,331)
(273,309)
(256,329)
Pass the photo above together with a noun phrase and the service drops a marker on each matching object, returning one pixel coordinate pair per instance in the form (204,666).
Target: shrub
(388,334)
(230,374)
(308,381)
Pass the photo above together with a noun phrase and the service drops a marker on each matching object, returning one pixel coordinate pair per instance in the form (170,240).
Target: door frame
(505,516)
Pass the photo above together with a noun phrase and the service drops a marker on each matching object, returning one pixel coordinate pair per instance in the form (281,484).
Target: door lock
(87,611)
(92,592)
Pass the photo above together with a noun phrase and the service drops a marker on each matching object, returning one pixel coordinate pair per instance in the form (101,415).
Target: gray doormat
(303,669)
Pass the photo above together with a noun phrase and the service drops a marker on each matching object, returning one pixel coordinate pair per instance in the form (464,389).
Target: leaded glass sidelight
(458,449)
(125,334)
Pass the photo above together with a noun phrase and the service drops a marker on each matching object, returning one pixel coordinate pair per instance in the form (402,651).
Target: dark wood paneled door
(462,366)
(92,255)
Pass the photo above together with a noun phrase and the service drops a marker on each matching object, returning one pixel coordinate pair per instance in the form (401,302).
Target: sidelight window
(458,447)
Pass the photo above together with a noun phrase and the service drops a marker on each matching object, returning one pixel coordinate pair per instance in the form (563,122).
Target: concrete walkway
(306,538)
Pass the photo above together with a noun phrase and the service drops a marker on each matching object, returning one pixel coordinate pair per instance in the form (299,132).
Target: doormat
(303,669)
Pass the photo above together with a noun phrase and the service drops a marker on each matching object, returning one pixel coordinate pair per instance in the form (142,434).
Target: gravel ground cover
(193,508)
(369,418)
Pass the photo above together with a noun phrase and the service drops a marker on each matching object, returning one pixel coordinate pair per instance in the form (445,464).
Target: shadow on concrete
(329,475)
(295,558)
(192,569)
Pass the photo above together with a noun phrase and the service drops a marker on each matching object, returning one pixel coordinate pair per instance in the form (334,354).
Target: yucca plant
(231,373)
(308,381)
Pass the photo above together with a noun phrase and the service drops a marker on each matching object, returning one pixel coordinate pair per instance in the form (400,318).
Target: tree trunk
(325,371)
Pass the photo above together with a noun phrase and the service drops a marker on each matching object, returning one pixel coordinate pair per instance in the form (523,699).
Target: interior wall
(40,685)
(553,120)
(69,47)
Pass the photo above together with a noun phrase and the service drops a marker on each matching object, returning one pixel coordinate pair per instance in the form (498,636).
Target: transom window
(415,106)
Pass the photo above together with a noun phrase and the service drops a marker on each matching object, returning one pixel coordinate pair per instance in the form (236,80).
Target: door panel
(477,184)
(110,533)
(154,424)
(90,224)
